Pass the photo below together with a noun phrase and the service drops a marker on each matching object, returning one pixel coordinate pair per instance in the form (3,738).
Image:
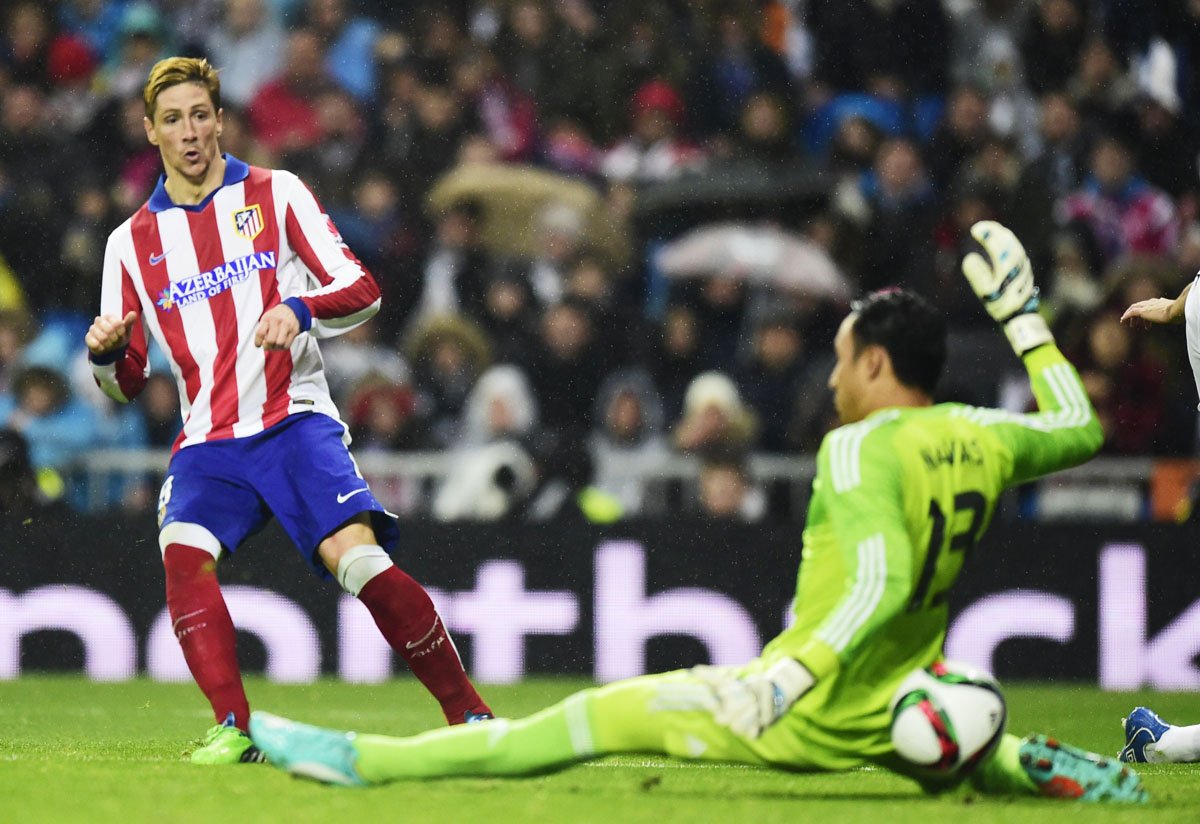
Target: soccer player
(903,492)
(237,272)
(1148,737)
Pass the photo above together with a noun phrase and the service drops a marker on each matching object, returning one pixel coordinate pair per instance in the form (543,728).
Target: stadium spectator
(349,43)
(383,418)
(772,380)
(715,418)
(492,470)
(1124,381)
(26,43)
(144,40)
(890,48)
(21,495)
(1051,43)
(726,492)
(264,438)
(961,133)
(508,115)
(159,405)
(559,232)
(448,353)
(735,66)
(549,61)
(58,426)
(283,113)
(1100,88)
(16,330)
(568,368)
(1123,212)
(1056,171)
(655,148)
(677,357)
(247,47)
(358,357)
(72,104)
(510,315)
(628,427)
(454,276)
(96,21)
(898,241)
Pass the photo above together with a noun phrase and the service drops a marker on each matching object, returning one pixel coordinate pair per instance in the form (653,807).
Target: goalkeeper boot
(226,744)
(311,752)
(1062,771)
(1143,728)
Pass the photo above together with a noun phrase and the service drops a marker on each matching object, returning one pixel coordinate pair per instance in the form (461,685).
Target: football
(947,718)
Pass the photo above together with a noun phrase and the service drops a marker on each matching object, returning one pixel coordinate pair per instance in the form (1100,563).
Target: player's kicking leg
(1148,738)
(1042,766)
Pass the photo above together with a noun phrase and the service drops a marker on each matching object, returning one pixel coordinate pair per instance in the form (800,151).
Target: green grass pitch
(75,751)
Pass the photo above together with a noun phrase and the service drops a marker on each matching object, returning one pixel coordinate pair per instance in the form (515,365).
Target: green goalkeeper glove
(750,703)
(1005,285)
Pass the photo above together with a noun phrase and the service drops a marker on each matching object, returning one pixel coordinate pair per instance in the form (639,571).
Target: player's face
(185,130)
(849,377)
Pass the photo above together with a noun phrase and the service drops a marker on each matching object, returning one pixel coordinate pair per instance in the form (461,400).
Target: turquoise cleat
(1062,771)
(310,752)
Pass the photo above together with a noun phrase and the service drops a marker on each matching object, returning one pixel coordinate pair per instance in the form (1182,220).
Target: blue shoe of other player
(311,752)
(1062,771)
(475,717)
(1142,727)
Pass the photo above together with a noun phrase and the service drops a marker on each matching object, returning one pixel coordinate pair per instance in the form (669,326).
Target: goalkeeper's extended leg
(647,714)
(1041,766)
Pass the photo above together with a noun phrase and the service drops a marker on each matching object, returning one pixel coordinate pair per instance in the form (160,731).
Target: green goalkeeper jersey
(900,499)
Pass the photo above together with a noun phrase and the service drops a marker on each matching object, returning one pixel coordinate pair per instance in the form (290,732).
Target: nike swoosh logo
(343,498)
(157,259)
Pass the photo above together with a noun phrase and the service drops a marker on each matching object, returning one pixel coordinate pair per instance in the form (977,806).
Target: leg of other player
(405,616)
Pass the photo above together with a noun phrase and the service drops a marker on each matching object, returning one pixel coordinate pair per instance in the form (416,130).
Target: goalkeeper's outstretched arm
(1064,432)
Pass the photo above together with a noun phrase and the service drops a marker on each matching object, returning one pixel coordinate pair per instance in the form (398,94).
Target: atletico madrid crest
(248,222)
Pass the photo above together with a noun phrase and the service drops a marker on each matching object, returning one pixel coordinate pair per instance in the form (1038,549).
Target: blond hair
(175,70)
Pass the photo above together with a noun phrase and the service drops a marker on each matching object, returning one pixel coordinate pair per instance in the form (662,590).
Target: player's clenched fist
(277,328)
(109,333)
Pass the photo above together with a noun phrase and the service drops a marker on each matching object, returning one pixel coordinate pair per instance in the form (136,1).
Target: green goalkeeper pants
(663,714)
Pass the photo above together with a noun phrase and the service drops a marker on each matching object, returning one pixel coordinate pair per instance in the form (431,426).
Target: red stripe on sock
(205,631)
(405,615)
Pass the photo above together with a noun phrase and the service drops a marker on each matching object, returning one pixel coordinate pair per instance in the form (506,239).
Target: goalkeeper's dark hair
(910,330)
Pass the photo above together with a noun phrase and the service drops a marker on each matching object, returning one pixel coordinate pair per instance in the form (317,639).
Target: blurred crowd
(513,171)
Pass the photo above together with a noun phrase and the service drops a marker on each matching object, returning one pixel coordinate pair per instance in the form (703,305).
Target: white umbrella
(756,254)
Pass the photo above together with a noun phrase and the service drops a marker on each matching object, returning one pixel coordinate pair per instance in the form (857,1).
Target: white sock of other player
(1179,744)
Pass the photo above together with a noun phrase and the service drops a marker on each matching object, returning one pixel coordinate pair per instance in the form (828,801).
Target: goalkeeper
(903,492)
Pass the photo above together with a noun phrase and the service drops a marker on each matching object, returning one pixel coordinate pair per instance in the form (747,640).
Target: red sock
(405,615)
(205,631)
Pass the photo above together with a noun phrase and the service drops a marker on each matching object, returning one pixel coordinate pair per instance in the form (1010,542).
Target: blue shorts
(299,470)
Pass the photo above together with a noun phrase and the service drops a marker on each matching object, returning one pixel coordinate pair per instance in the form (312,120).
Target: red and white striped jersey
(201,277)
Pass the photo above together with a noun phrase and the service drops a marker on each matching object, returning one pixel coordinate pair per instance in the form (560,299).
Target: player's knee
(188,535)
(360,564)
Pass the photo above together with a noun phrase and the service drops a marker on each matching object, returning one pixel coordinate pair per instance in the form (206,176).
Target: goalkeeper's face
(850,379)
(185,130)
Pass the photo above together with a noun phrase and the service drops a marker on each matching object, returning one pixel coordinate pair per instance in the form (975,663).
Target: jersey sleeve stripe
(864,597)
